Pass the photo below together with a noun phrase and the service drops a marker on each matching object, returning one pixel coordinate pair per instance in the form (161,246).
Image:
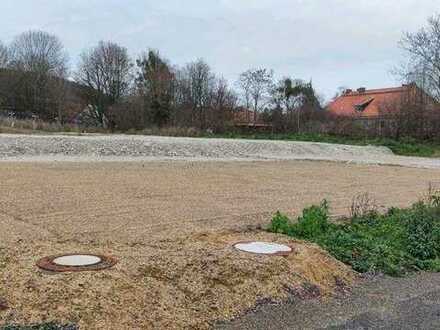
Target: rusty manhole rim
(47,263)
(280,253)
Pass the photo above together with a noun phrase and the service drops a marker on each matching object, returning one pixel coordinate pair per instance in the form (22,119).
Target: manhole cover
(263,248)
(76,262)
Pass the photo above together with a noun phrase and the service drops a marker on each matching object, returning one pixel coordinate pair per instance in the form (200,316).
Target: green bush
(313,222)
(423,231)
(400,241)
(280,224)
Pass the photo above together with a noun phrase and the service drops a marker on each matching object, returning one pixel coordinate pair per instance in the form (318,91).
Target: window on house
(360,107)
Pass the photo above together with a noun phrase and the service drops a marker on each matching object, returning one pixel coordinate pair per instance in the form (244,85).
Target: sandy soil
(172,225)
(134,202)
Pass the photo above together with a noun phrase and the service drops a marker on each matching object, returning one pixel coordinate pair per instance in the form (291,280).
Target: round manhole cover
(263,248)
(76,262)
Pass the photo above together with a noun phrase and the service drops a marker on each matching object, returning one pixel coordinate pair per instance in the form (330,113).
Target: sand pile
(170,284)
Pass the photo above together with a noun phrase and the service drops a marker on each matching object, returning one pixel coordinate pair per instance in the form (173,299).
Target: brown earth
(172,225)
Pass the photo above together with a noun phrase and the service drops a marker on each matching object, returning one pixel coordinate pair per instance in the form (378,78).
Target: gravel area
(408,303)
(134,148)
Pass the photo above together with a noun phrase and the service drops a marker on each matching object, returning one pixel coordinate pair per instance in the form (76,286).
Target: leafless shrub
(256,84)
(15,126)
(363,204)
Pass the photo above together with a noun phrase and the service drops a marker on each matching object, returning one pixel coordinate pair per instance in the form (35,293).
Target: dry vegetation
(29,126)
(171,284)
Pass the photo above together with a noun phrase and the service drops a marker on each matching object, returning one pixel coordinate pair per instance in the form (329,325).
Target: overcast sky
(334,42)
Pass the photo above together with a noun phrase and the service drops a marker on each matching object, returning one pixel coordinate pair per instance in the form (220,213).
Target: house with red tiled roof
(374,103)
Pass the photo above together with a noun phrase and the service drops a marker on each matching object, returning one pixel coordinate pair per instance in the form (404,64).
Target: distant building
(245,118)
(393,112)
(374,103)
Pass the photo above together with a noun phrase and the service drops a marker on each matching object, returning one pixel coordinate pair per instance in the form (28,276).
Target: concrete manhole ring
(263,248)
(76,262)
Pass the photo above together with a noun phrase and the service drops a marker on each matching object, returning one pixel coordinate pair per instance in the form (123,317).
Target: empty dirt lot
(131,202)
(171,224)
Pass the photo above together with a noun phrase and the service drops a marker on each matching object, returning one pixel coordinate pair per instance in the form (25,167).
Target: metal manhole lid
(76,262)
(264,248)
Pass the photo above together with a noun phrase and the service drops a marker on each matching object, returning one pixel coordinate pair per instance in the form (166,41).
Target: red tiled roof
(368,102)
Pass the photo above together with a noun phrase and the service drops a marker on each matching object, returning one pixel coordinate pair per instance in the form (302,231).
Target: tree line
(113,90)
(118,91)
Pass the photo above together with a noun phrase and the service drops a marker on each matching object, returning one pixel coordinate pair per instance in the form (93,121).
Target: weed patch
(395,243)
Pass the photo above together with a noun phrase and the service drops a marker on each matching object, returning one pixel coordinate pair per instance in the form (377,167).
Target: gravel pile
(132,148)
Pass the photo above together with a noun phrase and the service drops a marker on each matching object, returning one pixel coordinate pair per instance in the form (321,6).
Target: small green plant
(423,231)
(280,224)
(400,241)
(313,222)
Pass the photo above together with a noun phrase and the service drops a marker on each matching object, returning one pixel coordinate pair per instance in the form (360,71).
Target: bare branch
(423,49)
(3,55)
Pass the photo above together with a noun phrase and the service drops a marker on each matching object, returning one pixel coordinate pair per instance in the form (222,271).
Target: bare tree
(106,71)
(415,114)
(223,103)
(3,55)
(39,62)
(258,83)
(197,83)
(39,52)
(423,49)
(244,85)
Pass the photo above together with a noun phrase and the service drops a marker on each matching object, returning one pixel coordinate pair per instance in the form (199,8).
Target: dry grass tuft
(362,205)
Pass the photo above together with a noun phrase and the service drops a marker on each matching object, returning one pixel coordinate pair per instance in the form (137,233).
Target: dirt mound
(108,146)
(93,148)
(183,283)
